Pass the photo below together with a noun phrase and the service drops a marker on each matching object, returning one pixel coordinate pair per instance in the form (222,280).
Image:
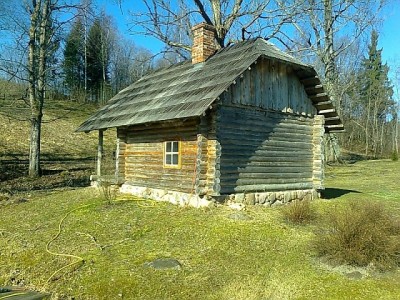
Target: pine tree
(376,95)
(73,64)
(98,58)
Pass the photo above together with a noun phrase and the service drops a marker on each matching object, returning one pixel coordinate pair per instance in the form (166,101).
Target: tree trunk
(34,146)
(37,60)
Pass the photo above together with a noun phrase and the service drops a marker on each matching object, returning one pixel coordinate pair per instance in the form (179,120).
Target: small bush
(109,191)
(360,233)
(299,212)
(395,156)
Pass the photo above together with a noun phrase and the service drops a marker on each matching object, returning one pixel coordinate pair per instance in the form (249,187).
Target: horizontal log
(261,133)
(265,172)
(263,181)
(267,187)
(264,123)
(305,155)
(256,158)
(310,81)
(231,174)
(269,163)
(332,118)
(326,111)
(276,116)
(164,125)
(319,97)
(315,89)
(245,137)
(334,126)
(268,146)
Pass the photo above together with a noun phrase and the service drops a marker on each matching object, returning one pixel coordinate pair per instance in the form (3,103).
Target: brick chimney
(203,42)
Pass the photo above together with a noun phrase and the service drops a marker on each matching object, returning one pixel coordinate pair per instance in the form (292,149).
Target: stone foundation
(178,198)
(183,199)
(272,198)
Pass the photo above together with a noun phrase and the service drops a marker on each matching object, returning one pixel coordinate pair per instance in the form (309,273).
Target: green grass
(262,258)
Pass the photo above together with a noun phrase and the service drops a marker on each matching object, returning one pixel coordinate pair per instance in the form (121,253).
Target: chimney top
(203,42)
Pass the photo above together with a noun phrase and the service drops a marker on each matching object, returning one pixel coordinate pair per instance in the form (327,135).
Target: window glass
(175,159)
(171,154)
(175,147)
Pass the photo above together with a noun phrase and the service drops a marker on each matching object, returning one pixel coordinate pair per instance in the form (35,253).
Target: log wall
(121,138)
(270,85)
(264,151)
(141,155)
(318,152)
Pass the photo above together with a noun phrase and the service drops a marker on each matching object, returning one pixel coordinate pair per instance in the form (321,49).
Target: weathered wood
(270,85)
(100,152)
(266,187)
(251,171)
(234,182)
(251,138)
(336,118)
(318,152)
(321,97)
(310,81)
(117,150)
(144,156)
(327,111)
(315,89)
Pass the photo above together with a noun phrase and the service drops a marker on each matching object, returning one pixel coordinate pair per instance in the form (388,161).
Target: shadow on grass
(332,193)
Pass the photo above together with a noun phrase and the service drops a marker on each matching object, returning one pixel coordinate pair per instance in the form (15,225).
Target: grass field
(222,258)
(262,257)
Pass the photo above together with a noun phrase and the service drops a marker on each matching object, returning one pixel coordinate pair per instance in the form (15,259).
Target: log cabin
(243,123)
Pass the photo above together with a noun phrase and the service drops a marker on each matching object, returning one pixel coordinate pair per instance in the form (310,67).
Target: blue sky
(389,38)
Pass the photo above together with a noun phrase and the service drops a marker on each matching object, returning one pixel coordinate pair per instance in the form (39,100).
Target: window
(172,158)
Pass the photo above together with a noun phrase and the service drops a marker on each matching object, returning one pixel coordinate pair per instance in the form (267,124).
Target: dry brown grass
(360,233)
(299,212)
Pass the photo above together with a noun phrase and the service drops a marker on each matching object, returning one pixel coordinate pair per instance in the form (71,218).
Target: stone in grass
(241,216)
(164,264)
(354,275)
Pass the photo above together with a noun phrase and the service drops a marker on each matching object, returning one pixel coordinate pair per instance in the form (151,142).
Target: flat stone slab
(354,275)
(164,264)
(16,293)
(240,216)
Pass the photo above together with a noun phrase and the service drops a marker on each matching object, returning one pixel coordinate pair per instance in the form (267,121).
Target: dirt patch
(55,174)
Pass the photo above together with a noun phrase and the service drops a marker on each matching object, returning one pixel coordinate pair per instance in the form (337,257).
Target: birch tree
(33,29)
(39,43)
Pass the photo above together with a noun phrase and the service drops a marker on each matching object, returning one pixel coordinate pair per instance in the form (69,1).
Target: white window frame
(171,154)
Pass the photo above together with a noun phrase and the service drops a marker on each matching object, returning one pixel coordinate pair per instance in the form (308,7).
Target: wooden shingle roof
(186,90)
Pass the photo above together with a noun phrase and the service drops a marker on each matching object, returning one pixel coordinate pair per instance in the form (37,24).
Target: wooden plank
(335,118)
(315,89)
(326,111)
(310,81)
(319,97)
(100,150)
(266,187)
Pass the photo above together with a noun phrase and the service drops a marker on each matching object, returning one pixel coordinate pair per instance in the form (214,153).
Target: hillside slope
(63,150)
